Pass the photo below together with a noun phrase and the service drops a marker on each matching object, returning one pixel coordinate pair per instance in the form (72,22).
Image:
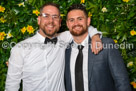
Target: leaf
(132,14)
(132,40)
(124,37)
(30,1)
(90,5)
(119,35)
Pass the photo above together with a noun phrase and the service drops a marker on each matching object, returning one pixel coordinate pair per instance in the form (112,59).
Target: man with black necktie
(85,71)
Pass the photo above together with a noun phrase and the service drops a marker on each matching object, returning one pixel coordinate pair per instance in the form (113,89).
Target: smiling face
(49,25)
(77,22)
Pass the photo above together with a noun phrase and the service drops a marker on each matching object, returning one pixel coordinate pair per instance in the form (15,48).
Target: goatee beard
(50,35)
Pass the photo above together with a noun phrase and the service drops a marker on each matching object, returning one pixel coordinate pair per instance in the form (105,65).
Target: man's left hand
(96,44)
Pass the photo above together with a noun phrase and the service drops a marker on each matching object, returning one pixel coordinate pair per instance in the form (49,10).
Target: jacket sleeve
(118,69)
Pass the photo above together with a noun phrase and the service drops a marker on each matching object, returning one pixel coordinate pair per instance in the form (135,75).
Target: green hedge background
(115,18)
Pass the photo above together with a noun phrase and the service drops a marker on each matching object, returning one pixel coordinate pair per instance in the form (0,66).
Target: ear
(88,21)
(67,23)
(60,21)
(38,20)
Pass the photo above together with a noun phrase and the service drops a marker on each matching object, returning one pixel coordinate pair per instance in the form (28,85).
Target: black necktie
(79,70)
(54,40)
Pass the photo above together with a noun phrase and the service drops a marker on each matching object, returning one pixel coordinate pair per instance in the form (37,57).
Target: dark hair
(50,4)
(77,7)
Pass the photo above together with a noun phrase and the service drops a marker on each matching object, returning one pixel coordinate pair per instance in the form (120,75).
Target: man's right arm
(15,67)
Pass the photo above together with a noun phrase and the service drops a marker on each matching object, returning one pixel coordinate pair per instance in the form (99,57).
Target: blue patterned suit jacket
(106,71)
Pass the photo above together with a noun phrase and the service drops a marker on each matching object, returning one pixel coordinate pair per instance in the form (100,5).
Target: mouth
(50,26)
(77,27)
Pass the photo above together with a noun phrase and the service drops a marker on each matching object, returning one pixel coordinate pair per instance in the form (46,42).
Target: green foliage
(116,23)
(3,70)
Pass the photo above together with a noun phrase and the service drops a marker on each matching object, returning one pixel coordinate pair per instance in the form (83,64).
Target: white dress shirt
(74,53)
(40,66)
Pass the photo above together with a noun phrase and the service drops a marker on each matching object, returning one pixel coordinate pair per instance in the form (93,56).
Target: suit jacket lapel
(90,61)
(67,62)
(67,68)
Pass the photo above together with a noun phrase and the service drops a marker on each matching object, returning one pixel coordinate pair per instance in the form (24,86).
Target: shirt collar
(84,42)
(40,37)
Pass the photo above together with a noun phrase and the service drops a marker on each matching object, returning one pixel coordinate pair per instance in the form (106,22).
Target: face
(49,21)
(77,22)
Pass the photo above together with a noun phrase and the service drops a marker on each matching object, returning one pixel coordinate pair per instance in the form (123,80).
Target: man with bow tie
(41,67)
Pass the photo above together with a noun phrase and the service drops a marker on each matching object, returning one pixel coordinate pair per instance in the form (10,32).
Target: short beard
(80,33)
(47,34)
(50,35)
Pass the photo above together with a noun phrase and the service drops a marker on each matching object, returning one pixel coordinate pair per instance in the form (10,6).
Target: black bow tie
(47,40)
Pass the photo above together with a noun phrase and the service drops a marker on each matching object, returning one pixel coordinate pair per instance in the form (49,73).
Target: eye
(45,15)
(80,18)
(71,20)
(55,16)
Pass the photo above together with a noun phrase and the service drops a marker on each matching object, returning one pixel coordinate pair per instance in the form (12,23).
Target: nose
(76,22)
(51,19)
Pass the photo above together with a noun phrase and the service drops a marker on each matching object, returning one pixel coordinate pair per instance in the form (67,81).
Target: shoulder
(107,40)
(109,44)
(30,39)
(24,43)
